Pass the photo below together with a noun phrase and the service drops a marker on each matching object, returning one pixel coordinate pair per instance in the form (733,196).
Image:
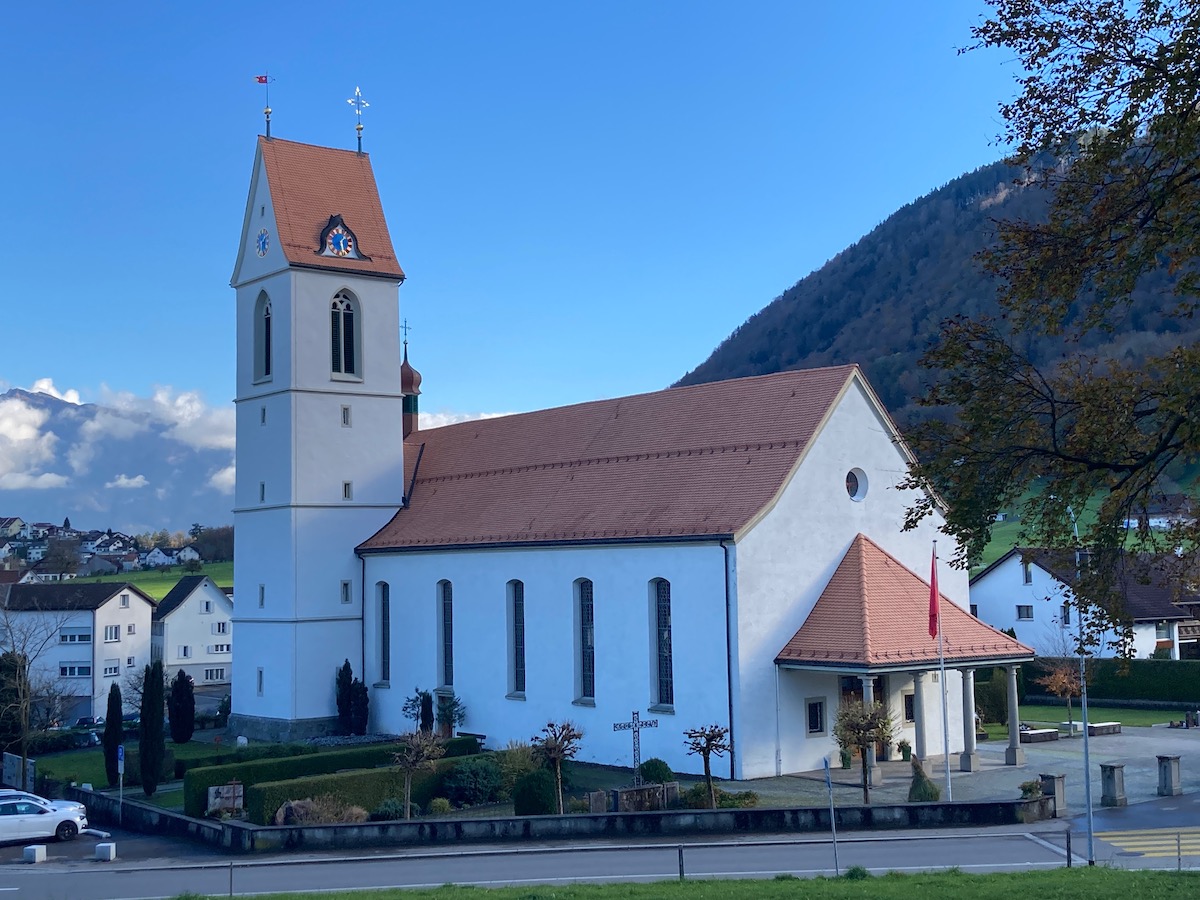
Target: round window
(856,484)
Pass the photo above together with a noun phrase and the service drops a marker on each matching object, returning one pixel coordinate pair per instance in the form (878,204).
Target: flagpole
(942,669)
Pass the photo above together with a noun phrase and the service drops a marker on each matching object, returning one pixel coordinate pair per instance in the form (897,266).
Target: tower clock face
(262,243)
(339,242)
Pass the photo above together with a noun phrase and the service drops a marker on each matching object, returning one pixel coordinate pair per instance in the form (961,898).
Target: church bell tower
(319,428)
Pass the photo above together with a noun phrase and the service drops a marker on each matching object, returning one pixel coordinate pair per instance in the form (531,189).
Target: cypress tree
(359,707)
(152,744)
(342,688)
(114,733)
(182,704)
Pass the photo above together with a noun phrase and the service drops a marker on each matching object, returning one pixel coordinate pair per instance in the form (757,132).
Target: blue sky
(587,197)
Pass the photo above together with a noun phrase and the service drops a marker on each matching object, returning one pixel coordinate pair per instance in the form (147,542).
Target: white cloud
(16,481)
(223,480)
(25,449)
(46,386)
(188,418)
(438,419)
(124,481)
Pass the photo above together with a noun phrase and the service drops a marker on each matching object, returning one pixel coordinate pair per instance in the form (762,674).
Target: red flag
(933,596)
(261,79)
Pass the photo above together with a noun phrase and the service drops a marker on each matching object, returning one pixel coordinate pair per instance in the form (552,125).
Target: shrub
(342,682)
(462,746)
(439,806)
(991,698)
(474,780)
(534,794)
(655,771)
(922,789)
(324,810)
(43,742)
(1030,790)
(133,768)
(577,805)
(389,810)
(514,761)
(696,797)
(197,781)
(361,788)
(181,702)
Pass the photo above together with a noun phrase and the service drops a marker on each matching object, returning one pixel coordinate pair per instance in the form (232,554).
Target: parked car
(88,722)
(21,820)
(13,794)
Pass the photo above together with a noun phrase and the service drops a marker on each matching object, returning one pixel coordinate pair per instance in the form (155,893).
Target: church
(727,553)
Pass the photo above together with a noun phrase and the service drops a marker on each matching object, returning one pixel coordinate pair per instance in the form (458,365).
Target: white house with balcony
(80,639)
(193,631)
(1028,589)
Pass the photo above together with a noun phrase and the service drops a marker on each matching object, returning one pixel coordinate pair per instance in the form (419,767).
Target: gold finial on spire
(359,105)
(265,80)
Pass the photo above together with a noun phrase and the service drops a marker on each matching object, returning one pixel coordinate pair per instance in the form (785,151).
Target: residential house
(160,556)
(193,631)
(188,554)
(1028,589)
(80,638)
(10,526)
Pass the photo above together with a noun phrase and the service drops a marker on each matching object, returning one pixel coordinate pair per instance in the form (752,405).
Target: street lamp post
(1087,760)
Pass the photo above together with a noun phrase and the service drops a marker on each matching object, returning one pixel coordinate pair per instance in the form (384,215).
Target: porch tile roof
(874,612)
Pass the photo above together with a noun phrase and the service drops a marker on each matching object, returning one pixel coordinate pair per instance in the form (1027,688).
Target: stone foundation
(261,728)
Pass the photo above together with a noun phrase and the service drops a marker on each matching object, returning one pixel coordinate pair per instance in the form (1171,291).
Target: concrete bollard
(106,851)
(1112,784)
(35,853)
(1055,786)
(1168,776)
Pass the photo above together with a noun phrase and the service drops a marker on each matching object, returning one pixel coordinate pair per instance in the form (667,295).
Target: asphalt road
(541,865)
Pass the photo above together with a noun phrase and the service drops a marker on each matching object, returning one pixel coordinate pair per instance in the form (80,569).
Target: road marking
(1156,842)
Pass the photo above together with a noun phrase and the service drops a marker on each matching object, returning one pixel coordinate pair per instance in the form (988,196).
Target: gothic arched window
(344,331)
(262,337)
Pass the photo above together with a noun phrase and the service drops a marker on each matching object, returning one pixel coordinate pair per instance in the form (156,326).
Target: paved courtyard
(1138,748)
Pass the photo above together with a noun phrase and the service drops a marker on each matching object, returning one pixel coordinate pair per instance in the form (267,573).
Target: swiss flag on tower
(933,596)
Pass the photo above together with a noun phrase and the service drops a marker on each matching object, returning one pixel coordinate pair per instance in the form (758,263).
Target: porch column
(873,776)
(1014,755)
(969,761)
(919,715)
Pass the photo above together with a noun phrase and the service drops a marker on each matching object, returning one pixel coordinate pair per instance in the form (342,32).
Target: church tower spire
(318,397)
(410,387)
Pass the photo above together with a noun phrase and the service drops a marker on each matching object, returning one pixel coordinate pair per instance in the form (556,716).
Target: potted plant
(846,756)
(905,749)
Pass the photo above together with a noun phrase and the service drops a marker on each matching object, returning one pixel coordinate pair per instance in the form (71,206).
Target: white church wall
(278,288)
(787,558)
(624,663)
(363,453)
(260,214)
(264,452)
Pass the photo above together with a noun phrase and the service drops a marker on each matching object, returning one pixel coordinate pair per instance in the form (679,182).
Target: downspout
(729,658)
(362,614)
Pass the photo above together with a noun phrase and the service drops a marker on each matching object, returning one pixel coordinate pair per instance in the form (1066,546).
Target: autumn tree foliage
(416,751)
(1107,121)
(857,726)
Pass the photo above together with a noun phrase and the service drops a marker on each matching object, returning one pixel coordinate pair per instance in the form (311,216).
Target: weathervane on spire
(265,80)
(359,105)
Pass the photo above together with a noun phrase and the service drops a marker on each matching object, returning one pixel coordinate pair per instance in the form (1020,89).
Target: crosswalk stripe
(1156,842)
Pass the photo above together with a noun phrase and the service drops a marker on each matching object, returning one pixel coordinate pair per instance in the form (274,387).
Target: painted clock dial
(339,242)
(263,242)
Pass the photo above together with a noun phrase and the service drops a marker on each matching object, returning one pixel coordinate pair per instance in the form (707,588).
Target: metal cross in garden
(636,725)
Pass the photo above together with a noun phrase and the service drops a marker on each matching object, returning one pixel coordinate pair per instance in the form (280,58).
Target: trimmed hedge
(1176,681)
(368,789)
(197,781)
(244,754)
(462,746)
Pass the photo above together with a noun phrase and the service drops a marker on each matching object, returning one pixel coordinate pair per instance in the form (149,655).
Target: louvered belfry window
(662,618)
(343,358)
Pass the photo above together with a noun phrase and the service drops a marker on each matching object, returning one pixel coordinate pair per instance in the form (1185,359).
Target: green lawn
(87,766)
(1062,884)
(1051,715)
(158,582)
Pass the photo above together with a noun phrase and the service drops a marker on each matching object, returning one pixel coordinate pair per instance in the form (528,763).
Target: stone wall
(244,838)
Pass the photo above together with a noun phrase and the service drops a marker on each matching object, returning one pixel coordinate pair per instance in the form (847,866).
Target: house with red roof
(727,553)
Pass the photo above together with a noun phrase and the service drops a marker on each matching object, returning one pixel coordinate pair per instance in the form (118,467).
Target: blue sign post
(120,781)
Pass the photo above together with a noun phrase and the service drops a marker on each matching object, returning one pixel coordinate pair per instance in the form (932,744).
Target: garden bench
(1038,735)
(1104,728)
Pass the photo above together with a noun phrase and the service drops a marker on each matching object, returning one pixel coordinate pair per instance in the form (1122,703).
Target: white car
(21,820)
(65,805)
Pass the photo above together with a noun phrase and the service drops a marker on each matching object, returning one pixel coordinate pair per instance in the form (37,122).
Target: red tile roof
(308,185)
(875,612)
(686,462)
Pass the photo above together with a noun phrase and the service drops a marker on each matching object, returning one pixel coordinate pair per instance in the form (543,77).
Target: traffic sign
(120,759)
